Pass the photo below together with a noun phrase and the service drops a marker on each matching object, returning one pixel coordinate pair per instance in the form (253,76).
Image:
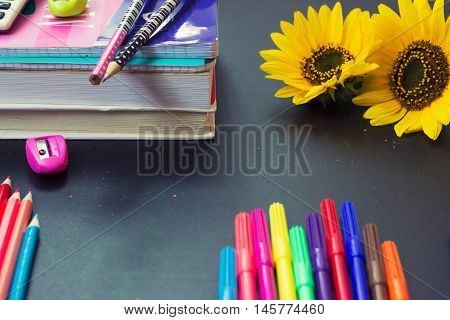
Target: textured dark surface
(98,241)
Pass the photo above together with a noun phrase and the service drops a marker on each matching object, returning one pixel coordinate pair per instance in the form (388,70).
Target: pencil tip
(7,181)
(16,194)
(113,69)
(28,197)
(34,222)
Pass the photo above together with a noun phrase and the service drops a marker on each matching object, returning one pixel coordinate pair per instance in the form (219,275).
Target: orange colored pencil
(7,224)
(5,193)
(396,281)
(10,259)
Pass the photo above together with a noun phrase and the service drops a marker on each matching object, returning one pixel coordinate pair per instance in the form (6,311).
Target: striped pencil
(25,261)
(12,252)
(156,22)
(127,24)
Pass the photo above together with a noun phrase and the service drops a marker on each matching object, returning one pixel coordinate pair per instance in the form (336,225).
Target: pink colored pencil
(15,242)
(111,49)
(7,224)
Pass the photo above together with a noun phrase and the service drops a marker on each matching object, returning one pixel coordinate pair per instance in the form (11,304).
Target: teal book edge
(91,61)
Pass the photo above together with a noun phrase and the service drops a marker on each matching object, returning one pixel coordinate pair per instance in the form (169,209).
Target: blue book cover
(195,24)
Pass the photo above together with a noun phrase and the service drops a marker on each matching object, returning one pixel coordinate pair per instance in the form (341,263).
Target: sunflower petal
(383,109)
(424,11)
(372,83)
(287,92)
(351,69)
(408,12)
(390,27)
(437,22)
(324,21)
(311,94)
(388,119)
(276,67)
(277,55)
(296,38)
(441,110)
(299,84)
(408,121)
(314,25)
(283,43)
(352,35)
(431,126)
(373,97)
(337,23)
(302,24)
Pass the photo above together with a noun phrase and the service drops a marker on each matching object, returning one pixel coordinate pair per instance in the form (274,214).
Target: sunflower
(411,87)
(319,52)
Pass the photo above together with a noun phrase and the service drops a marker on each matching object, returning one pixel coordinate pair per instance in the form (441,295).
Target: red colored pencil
(7,224)
(336,251)
(5,193)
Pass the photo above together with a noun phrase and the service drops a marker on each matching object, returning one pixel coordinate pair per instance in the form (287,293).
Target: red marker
(5,193)
(336,251)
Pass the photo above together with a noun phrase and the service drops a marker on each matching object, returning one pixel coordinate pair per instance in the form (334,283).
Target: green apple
(66,8)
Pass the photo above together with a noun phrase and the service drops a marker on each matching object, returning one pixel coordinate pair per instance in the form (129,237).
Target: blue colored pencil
(25,262)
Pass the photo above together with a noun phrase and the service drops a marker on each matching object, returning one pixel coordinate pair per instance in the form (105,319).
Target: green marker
(301,262)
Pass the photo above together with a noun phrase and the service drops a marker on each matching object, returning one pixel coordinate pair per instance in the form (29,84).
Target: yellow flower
(411,87)
(319,52)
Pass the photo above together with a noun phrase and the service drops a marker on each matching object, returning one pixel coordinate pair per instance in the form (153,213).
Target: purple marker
(319,258)
(263,256)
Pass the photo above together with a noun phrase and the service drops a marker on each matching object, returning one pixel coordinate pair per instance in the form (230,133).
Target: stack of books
(166,92)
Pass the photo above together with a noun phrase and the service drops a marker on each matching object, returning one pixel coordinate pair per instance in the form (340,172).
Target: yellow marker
(282,252)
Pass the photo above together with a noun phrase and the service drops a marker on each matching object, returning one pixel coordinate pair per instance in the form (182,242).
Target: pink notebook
(42,30)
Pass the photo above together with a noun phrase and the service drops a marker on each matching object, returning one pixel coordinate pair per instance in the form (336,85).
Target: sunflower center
(419,75)
(325,63)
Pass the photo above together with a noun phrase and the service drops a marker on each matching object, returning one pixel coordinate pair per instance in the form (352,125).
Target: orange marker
(396,281)
(7,224)
(15,242)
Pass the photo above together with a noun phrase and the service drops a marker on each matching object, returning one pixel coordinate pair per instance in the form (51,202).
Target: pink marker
(47,155)
(245,261)
(263,256)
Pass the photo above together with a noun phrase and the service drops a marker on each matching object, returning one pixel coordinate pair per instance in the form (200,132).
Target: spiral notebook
(192,34)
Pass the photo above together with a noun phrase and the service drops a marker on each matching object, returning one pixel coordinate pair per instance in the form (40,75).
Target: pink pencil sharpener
(47,155)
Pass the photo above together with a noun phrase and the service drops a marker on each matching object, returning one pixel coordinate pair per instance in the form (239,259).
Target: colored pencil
(5,193)
(7,224)
(10,259)
(156,22)
(127,24)
(25,261)
(398,290)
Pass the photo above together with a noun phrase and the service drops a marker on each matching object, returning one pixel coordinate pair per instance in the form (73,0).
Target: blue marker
(25,261)
(355,252)
(227,275)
